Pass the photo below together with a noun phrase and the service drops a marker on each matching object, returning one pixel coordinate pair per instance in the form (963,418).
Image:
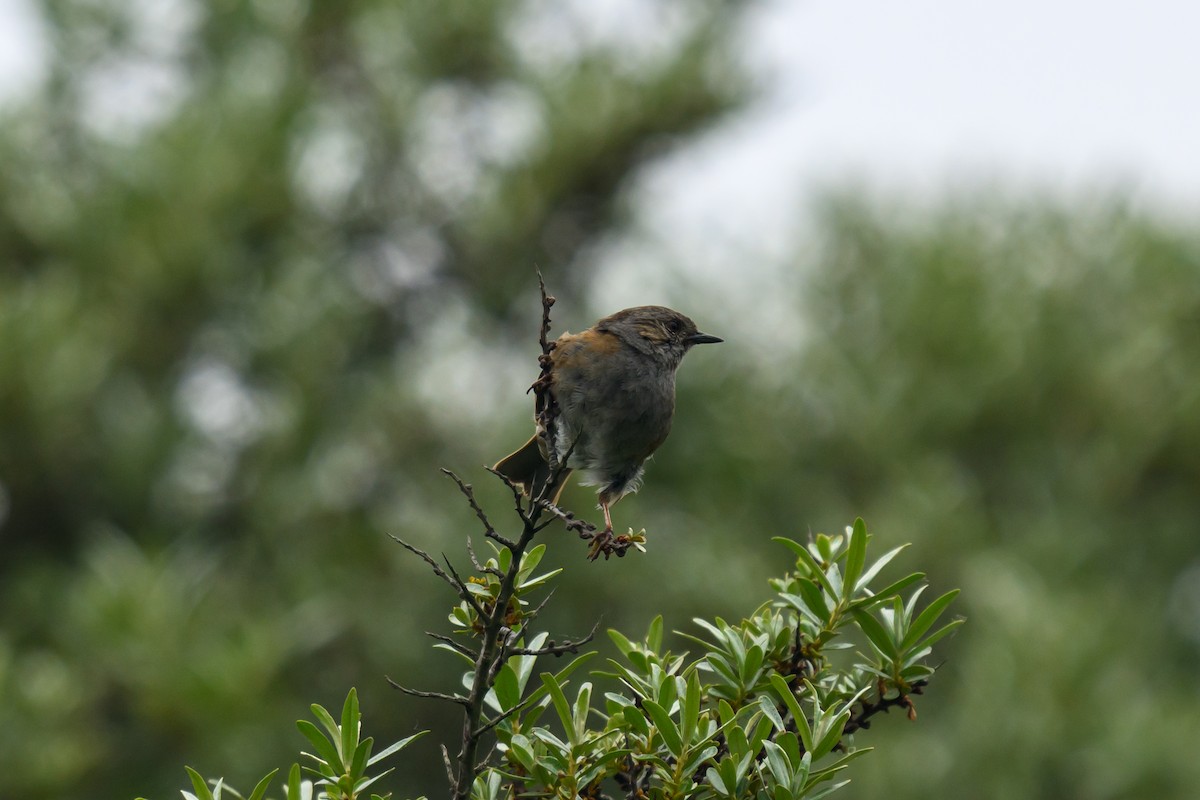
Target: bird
(614,385)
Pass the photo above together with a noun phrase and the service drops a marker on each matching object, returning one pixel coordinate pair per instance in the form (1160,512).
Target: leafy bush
(773,706)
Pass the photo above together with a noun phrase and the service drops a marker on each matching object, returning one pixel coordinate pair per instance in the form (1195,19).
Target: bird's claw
(604,542)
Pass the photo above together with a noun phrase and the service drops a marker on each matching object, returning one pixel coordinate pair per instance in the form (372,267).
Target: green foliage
(236,335)
(223,304)
(770,705)
(770,708)
(341,764)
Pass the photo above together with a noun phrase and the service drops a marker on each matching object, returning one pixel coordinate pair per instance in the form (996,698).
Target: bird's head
(657,331)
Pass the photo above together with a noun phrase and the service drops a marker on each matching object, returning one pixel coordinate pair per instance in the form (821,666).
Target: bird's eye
(674,325)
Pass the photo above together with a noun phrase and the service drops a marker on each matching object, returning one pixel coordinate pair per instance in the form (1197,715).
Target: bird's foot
(601,543)
(604,542)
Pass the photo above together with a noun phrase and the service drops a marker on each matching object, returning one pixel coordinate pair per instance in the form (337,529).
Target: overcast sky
(920,95)
(916,96)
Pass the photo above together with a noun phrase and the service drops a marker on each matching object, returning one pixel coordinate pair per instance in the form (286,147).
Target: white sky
(916,96)
(920,95)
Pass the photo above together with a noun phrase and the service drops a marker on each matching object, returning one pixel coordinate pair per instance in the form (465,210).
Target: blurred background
(266,265)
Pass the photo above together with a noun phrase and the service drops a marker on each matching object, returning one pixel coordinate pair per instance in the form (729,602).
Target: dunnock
(615,388)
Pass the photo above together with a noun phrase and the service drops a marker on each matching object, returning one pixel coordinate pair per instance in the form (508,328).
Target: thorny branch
(454,580)
(494,637)
(451,698)
(494,631)
(455,645)
(861,720)
(556,648)
(469,492)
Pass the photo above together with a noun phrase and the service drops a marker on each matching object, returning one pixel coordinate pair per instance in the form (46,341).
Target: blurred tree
(1015,387)
(259,263)
(233,235)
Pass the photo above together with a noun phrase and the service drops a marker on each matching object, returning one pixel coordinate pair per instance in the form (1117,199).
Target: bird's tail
(529,469)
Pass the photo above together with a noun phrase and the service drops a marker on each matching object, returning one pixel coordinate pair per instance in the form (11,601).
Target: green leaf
(636,720)
(689,721)
(791,544)
(751,666)
(803,606)
(623,644)
(559,699)
(720,665)
(911,605)
(803,728)
(655,634)
(523,665)
(777,763)
(394,748)
(668,691)
(522,749)
(363,784)
(358,765)
(725,712)
(293,784)
(698,756)
(814,599)
(583,703)
(350,718)
(940,632)
(877,634)
(828,790)
(787,695)
(739,745)
(452,651)
(260,790)
(926,618)
(666,728)
(325,749)
(533,583)
(825,546)
(199,784)
(887,592)
(716,782)
(856,558)
(508,692)
(326,720)
(560,677)
(557,744)
(530,561)
(832,734)
(816,573)
(771,712)
(879,564)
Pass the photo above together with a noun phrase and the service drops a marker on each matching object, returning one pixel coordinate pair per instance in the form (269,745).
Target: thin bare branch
(470,597)
(553,649)
(469,492)
(491,723)
(457,646)
(548,302)
(428,559)
(485,570)
(545,407)
(861,720)
(530,616)
(457,583)
(573,524)
(517,493)
(450,698)
(449,769)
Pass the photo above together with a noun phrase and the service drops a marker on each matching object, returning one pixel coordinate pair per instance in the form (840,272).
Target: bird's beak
(703,338)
